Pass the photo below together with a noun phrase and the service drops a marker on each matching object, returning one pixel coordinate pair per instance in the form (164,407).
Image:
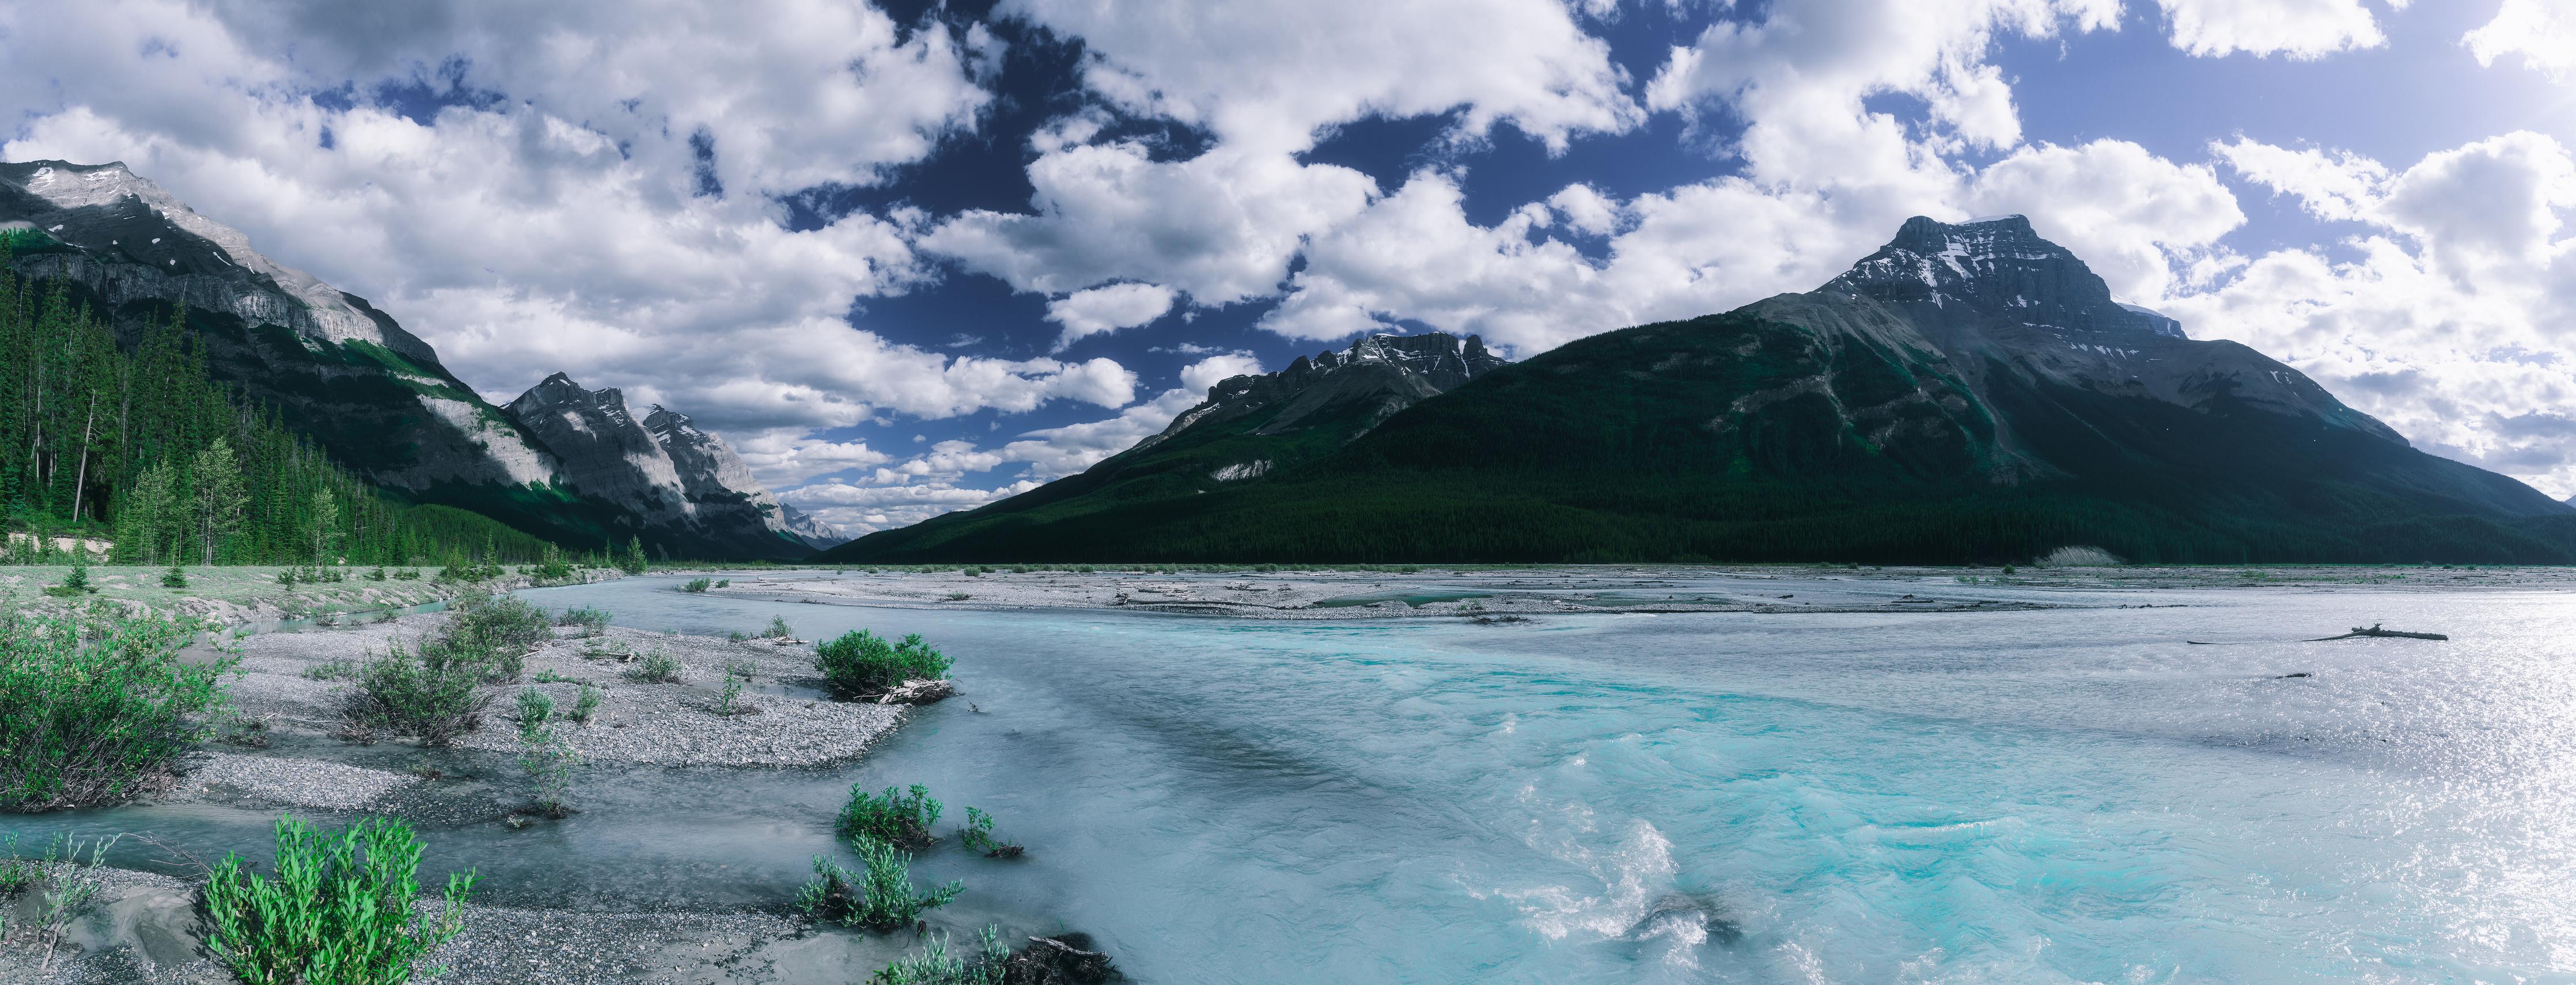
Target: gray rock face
(1376,377)
(660,468)
(337,368)
(1992,292)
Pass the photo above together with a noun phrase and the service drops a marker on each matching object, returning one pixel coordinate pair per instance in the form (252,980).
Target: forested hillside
(142,447)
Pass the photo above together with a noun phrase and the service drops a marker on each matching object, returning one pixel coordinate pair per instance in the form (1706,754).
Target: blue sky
(911,258)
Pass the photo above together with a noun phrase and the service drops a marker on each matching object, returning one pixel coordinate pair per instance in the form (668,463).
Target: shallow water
(2065,795)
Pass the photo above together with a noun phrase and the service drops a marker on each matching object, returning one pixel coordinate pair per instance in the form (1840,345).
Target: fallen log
(2374,630)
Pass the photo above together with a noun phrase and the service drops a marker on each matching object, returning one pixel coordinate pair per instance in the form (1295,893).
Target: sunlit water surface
(2051,796)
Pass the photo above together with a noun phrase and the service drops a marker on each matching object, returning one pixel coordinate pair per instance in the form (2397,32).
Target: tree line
(143,447)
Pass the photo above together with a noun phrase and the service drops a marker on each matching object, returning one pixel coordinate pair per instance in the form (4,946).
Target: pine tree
(219,496)
(635,564)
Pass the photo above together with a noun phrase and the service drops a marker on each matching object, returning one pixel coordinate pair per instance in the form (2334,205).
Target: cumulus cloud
(2441,320)
(564,226)
(1205,373)
(2304,29)
(2541,33)
(1107,309)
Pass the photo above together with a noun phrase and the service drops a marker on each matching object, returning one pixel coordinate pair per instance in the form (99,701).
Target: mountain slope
(1969,392)
(333,367)
(673,478)
(1249,427)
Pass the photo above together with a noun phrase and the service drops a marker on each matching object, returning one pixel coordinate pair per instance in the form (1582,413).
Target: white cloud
(2442,322)
(1264,77)
(2338,186)
(1107,309)
(1221,226)
(2302,29)
(1586,210)
(1205,373)
(2127,212)
(2542,33)
(560,227)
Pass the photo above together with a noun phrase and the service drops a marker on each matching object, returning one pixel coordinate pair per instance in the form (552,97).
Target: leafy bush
(880,896)
(892,817)
(657,668)
(724,583)
(778,629)
(935,966)
(862,664)
(593,621)
(545,757)
(331,670)
(63,883)
(96,708)
(431,694)
(729,705)
(585,704)
(694,585)
(339,909)
(501,629)
(978,836)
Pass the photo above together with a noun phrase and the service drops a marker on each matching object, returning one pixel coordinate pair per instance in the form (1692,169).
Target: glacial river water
(2069,795)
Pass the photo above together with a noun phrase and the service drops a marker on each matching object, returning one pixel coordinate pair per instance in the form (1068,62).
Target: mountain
(341,372)
(1247,428)
(660,469)
(1967,393)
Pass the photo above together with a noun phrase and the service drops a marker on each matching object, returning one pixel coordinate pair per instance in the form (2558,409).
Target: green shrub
(935,966)
(880,896)
(778,629)
(585,704)
(176,577)
(729,705)
(978,837)
(62,886)
(695,585)
(535,710)
(96,708)
(432,695)
(593,621)
(892,817)
(725,583)
(378,574)
(862,664)
(331,670)
(499,629)
(77,582)
(657,668)
(338,911)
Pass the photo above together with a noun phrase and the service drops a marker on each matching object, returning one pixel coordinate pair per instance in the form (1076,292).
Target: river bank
(252,595)
(290,749)
(1503,593)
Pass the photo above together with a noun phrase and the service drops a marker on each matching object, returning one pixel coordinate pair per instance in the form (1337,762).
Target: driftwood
(919,692)
(2374,630)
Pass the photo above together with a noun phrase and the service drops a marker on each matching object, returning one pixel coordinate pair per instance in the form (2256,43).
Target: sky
(917,256)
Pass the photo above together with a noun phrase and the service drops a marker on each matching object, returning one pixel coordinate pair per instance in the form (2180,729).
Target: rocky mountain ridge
(1969,392)
(348,375)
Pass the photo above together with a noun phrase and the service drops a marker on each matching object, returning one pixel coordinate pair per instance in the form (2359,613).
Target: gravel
(291,782)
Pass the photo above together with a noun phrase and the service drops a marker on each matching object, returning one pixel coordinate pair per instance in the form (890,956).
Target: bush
(432,695)
(495,629)
(585,704)
(978,836)
(339,909)
(535,710)
(174,578)
(593,621)
(694,585)
(96,708)
(75,583)
(881,896)
(891,817)
(935,966)
(548,760)
(658,668)
(2077,557)
(778,629)
(862,664)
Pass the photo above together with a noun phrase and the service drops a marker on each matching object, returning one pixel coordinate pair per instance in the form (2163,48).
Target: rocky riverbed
(290,750)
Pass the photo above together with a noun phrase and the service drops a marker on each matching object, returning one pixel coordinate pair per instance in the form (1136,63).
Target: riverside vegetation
(96,708)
